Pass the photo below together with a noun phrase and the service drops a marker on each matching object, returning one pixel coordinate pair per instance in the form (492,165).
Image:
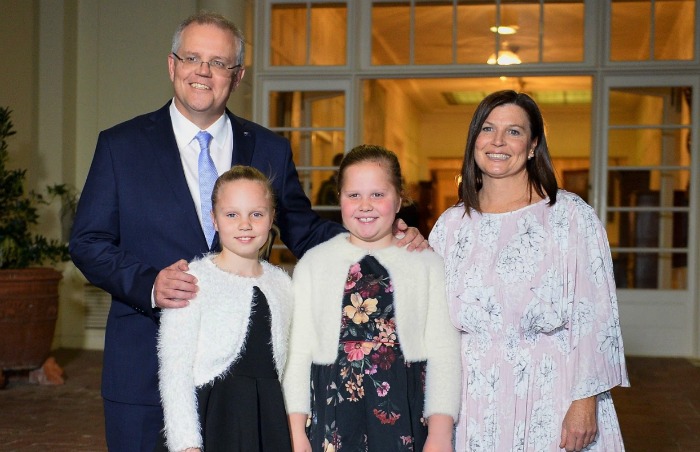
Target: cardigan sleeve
(296,381)
(177,345)
(443,373)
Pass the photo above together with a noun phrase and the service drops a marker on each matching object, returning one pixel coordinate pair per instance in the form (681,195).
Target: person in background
(327,194)
(373,359)
(144,212)
(530,285)
(221,358)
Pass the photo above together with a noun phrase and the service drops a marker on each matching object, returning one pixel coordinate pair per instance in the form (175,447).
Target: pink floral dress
(534,294)
(370,399)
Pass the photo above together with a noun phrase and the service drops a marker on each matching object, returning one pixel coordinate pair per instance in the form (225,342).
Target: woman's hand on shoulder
(580,426)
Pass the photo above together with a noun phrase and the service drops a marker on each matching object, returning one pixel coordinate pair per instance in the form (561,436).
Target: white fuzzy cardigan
(422,320)
(198,343)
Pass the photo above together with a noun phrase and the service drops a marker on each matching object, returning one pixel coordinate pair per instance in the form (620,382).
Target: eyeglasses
(215,65)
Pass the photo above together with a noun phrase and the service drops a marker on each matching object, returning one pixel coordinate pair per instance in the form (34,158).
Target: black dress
(370,399)
(243,410)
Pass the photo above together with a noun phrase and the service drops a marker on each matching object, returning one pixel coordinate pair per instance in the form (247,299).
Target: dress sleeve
(297,376)
(436,238)
(177,346)
(443,373)
(597,361)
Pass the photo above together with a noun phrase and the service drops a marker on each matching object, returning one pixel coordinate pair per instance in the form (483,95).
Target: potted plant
(28,289)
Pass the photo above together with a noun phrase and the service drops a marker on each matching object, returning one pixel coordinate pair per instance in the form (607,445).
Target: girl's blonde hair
(242,172)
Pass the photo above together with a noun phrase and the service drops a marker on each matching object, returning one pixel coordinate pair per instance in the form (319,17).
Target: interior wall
(18,46)
(78,68)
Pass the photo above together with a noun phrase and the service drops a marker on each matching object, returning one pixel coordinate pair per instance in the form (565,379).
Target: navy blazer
(136,216)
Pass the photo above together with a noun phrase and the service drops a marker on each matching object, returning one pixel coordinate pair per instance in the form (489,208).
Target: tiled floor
(660,412)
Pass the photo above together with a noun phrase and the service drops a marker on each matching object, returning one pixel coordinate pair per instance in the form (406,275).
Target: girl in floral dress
(374,359)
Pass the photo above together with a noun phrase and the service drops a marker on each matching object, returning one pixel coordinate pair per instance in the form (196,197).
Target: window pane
(433,34)
(645,147)
(328,34)
(650,106)
(312,149)
(630,28)
(651,127)
(649,185)
(526,20)
(390,33)
(658,220)
(475,42)
(313,122)
(563,31)
(651,270)
(674,22)
(626,185)
(288,35)
(307,109)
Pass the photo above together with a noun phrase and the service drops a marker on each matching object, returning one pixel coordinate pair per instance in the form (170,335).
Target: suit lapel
(167,155)
(243,142)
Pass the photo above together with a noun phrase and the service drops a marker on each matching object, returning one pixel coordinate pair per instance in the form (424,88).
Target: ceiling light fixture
(505,29)
(504,58)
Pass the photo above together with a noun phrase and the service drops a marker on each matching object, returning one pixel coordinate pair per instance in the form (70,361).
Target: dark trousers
(132,428)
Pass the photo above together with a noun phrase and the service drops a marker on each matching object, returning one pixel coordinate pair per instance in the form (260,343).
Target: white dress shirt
(220,148)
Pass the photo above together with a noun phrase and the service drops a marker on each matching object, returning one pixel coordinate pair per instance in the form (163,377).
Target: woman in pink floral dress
(374,360)
(530,285)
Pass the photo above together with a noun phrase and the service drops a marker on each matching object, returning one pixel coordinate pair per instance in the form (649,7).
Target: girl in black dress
(221,357)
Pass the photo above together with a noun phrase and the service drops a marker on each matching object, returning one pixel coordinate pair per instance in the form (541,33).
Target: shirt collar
(185,130)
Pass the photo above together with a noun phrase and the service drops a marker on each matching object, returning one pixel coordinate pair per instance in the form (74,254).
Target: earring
(532,154)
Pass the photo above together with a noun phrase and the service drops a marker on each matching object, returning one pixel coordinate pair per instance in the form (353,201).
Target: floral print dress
(534,294)
(370,399)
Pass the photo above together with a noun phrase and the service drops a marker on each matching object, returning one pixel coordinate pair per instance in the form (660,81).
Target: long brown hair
(540,171)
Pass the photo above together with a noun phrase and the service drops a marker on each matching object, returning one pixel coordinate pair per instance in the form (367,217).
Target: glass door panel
(649,173)
(314,124)
(652,30)
(303,34)
(444,32)
(315,117)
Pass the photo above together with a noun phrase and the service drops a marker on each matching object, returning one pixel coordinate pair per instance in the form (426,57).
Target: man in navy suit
(139,219)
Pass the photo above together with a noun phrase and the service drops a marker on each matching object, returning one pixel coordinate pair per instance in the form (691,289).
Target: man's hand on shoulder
(174,288)
(409,237)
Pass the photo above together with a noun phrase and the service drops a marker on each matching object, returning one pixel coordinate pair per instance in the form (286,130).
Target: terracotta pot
(28,312)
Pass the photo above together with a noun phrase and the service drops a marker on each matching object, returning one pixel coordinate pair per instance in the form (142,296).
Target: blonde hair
(241,172)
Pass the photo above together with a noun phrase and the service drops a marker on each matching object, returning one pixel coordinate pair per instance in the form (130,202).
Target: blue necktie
(207,178)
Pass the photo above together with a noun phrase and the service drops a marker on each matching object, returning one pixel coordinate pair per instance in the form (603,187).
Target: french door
(649,202)
(316,117)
